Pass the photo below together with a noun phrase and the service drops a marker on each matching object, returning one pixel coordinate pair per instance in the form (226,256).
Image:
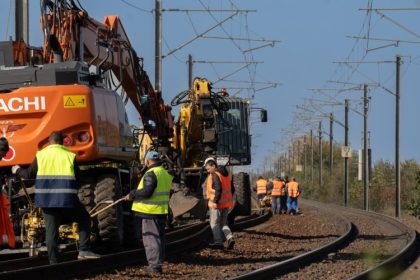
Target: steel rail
(24,261)
(392,265)
(399,261)
(396,263)
(180,241)
(283,267)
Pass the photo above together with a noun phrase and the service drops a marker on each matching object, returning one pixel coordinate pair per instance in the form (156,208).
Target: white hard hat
(210,159)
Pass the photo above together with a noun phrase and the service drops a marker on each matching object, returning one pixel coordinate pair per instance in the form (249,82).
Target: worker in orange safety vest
(293,190)
(220,196)
(261,187)
(276,193)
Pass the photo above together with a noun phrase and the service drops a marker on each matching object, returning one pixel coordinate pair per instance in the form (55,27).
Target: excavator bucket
(181,204)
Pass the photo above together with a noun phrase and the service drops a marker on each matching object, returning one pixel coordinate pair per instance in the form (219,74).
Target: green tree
(414,204)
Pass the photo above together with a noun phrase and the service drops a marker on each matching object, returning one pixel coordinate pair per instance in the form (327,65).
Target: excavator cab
(209,124)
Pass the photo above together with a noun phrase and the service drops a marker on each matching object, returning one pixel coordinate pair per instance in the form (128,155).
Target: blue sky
(313,35)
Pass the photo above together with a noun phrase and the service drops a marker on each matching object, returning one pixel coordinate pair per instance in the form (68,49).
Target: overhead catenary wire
(252,76)
(219,23)
(136,7)
(400,25)
(397,41)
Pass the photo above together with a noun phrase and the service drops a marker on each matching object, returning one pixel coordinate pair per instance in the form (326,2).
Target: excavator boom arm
(70,34)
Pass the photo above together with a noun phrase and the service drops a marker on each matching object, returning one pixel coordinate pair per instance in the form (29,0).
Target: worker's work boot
(154,270)
(87,255)
(216,246)
(230,244)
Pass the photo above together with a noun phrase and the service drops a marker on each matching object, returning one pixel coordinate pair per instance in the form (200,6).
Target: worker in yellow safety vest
(276,193)
(56,188)
(151,205)
(220,196)
(293,190)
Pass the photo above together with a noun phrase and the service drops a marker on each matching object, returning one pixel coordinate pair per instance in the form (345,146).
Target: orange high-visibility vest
(293,189)
(226,200)
(6,228)
(261,186)
(278,188)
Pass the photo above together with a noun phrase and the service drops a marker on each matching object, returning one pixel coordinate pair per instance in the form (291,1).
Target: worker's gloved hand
(15,168)
(128,197)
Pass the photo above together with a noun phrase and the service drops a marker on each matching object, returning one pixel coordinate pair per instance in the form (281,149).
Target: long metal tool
(31,205)
(107,207)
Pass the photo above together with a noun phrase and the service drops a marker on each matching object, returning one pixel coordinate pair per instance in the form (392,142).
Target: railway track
(308,246)
(177,241)
(369,246)
(24,261)
(280,238)
(397,241)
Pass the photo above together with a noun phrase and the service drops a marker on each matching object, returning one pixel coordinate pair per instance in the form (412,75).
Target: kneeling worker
(220,195)
(56,190)
(151,204)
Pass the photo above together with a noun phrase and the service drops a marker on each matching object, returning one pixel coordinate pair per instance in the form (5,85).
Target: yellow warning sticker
(74,101)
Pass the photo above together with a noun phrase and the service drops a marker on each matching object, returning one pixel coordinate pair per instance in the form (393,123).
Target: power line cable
(168,47)
(136,7)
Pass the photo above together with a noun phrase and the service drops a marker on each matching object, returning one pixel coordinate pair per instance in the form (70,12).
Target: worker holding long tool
(56,188)
(151,204)
(6,228)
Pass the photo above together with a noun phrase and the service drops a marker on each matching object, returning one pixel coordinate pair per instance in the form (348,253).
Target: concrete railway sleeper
(186,238)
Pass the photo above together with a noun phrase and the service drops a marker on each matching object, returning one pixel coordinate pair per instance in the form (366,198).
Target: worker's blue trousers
(275,204)
(292,204)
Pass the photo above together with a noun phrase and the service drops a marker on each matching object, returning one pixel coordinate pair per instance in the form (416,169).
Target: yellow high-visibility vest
(158,203)
(55,184)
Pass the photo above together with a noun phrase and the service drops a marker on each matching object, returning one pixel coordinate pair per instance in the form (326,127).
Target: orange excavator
(80,83)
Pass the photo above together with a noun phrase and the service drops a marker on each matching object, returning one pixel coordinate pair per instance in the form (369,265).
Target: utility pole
(320,154)
(158,45)
(280,167)
(397,140)
(293,156)
(331,142)
(298,155)
(312,159)
(304,157)
(346,159)
(22,20)
(190,70)
(365,149)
